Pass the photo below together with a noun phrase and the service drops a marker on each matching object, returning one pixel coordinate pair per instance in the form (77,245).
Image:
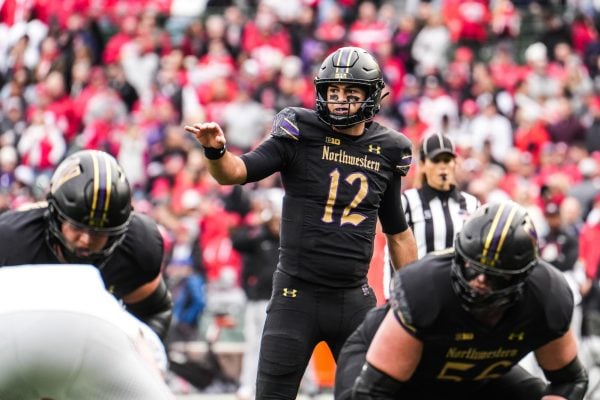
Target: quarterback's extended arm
(224,166)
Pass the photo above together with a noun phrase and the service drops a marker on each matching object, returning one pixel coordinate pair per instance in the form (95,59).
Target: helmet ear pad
(350,66)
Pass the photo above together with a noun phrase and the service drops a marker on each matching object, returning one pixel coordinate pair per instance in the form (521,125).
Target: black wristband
(214,154)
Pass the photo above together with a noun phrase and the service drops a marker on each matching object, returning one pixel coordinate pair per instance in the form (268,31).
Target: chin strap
(383,96)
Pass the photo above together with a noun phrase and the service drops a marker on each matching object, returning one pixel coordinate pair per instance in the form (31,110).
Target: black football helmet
(90,191)
(349,65)
(500,241)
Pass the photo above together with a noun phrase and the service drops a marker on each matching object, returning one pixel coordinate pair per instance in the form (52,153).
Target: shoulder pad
(404,161)
(285,125)
(145,241)
(555,296)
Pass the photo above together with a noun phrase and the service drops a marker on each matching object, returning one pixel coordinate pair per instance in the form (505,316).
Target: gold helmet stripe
(108,186)
(101,189)
(497,234)
(95,187)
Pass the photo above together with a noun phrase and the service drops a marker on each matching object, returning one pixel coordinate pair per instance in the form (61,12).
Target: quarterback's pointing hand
(209,134)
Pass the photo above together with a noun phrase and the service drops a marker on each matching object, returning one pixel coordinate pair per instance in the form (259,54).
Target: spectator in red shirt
(583,33)
(392,68)
(505,20)
(60,106)
(530,135)
(42,146)
(126,33)
(332,31)
(413,127)
(474,17)
(265,37)
(367,31)
(504,69)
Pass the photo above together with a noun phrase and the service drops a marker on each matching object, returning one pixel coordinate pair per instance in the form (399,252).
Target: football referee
(436,208)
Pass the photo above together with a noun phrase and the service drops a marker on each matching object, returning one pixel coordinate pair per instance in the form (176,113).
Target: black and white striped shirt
(435,218)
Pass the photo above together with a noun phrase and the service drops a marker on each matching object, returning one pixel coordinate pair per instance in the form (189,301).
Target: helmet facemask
(351,66)
(504,289)
(54,236)
(366,111)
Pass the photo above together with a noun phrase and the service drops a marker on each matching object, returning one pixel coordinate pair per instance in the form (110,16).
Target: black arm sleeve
(269,157)
(155,310)
(373,384)
(390,212)
(570,382)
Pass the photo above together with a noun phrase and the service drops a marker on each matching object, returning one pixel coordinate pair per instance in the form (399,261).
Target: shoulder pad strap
(285,125)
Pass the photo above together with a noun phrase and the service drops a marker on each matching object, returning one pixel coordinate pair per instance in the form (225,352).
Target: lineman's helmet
(90,191)
(500,241)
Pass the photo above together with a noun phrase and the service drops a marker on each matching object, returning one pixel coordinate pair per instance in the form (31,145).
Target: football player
(340,171)
(88,219)
(487,303)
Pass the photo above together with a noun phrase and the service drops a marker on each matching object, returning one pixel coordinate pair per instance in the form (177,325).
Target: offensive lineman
(88,219)
(490,301)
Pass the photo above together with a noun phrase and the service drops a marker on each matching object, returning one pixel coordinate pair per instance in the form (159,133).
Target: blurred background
(516,84)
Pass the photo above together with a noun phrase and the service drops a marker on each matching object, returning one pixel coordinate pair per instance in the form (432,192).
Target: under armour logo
(517,336)
(373,148)
(289,292)
(463,336)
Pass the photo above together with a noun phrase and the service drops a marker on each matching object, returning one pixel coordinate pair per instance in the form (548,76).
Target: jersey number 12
(348,217)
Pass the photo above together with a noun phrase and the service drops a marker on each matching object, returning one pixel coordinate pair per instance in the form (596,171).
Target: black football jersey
(335,187)
(136,261)
(458,348)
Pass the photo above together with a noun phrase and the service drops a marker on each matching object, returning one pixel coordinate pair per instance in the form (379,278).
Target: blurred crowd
(516,84)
